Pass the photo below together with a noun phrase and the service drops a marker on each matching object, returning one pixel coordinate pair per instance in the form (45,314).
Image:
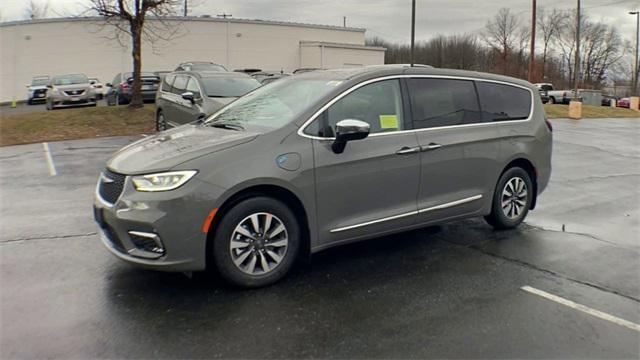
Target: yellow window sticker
(388,121)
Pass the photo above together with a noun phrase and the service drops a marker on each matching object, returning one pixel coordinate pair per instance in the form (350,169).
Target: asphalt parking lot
(567,284)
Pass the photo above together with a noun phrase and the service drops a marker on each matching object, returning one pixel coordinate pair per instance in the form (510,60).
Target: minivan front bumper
(157,230)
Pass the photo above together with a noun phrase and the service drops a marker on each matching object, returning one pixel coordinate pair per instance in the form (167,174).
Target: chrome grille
(74,92)
(111,185)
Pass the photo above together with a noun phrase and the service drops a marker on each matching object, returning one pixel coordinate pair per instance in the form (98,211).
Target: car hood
(170,148)
(72,87)
(37,87)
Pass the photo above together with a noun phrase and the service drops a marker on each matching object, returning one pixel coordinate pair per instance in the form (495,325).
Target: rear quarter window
(167,82)
(501,102)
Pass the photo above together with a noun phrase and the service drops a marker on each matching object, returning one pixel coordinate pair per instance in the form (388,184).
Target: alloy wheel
(259,243)
(514,198)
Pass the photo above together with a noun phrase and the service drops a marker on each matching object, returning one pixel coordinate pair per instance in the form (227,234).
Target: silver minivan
(322,159)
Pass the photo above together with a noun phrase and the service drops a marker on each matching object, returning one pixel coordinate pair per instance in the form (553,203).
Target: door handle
(432,146)
(407,150)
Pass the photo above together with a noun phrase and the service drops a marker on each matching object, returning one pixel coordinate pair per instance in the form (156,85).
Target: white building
(84,45)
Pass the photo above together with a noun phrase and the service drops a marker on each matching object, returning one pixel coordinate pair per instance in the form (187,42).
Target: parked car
(624,103)
(97,87)
(70,90)
(37,90)
(200,66)
(185,97)
(119,91)
(556,96)
(322,159)
(265,77)
(608,100)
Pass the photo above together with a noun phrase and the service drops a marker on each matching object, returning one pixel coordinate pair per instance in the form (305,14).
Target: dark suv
(119,91)
(186,96)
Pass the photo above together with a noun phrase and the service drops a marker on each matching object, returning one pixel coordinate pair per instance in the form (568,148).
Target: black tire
(161,121)
(515,210)
(222,253)
(552,100)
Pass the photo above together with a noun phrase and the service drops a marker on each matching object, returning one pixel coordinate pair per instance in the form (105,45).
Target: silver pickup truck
(556,96)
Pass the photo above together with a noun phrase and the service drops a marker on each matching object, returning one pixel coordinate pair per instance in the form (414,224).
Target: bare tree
(501,34)
(129,17)
(37,9)
(551,24)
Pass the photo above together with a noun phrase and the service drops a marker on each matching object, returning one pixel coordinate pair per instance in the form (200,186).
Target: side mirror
(189,96)
(109,85)
(349,130)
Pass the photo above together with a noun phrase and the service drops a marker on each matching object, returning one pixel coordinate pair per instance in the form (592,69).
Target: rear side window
(502,102)
(443,102)
(167,82)
(180,85)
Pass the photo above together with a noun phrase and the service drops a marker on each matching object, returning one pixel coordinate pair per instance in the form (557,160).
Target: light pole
(413,29)
(576,68)
(532,52)
(636,65)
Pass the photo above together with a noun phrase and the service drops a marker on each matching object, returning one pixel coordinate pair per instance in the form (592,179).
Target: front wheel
(511,200)
(161,122)
(256,242)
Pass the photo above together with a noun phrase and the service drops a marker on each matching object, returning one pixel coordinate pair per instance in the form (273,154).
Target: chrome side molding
(411,213)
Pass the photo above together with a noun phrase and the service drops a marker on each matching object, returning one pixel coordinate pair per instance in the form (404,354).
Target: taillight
(124,86)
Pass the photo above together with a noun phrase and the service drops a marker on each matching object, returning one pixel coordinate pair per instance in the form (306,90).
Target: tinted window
(443,102)
(228,86)
(167,82)
(379,104)
(179,85)
(192,86)
(501,102)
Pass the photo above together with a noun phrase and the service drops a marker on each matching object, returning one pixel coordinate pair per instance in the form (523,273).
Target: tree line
(502,47)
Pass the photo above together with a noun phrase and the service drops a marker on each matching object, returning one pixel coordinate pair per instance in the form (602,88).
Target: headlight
(162,181)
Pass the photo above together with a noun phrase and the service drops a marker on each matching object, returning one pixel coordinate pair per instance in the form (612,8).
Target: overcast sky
(389,19)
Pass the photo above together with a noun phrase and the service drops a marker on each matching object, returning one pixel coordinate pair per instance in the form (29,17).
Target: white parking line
(583,308)
(47,155)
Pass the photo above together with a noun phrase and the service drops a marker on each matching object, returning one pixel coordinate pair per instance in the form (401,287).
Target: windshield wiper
(226,125)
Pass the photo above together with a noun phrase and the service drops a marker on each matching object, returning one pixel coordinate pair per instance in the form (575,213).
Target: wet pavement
(450,291)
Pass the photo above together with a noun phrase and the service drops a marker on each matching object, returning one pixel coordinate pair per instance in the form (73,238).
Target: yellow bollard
(14,104)
(575,110)
(634,103)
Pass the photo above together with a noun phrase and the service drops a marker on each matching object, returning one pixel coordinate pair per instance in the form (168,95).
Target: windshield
(39,82)
(228,86)
(276,104)
(70,79)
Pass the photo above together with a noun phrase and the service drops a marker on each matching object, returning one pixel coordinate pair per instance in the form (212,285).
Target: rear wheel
(161,122)
(256,242)
(511,199)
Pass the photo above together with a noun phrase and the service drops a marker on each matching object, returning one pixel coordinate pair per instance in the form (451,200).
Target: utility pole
(344,21)
(576,68)
(186,8)
(636,69)
(413,30)
(532,52)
